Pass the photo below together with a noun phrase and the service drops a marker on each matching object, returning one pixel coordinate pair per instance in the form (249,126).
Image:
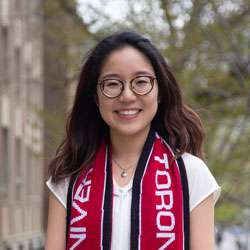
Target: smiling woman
(128,174)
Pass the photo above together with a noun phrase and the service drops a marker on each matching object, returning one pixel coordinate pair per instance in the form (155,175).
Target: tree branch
(71,10)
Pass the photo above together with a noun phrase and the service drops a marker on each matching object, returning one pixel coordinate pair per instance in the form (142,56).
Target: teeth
(128,112)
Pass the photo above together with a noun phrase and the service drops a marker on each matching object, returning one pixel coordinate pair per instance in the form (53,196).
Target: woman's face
(129,113)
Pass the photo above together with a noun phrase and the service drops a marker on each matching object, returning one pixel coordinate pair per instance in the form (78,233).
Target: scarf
(159,208)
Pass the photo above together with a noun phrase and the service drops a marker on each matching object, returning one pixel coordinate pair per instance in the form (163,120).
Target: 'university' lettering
(82,213)
(77,233)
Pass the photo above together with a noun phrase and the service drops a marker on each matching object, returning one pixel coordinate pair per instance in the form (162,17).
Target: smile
(128,112)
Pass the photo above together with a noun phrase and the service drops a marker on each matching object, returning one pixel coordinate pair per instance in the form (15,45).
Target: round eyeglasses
(140,85)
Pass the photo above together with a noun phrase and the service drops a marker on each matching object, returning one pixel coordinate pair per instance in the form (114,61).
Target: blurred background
(42,45)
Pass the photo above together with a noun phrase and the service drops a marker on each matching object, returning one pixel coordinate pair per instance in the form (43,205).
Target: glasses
(140,85)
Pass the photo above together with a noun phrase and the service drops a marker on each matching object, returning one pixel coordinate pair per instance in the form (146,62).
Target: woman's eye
(111,84)
(141,82)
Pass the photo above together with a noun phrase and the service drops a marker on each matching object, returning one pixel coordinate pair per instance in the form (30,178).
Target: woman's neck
(128,147)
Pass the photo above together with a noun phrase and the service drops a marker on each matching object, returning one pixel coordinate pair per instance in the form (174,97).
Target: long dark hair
(85,127)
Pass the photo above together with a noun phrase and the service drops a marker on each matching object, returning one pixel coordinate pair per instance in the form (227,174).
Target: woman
(128,174)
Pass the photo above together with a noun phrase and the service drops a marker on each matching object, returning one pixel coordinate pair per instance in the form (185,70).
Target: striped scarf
(159,209)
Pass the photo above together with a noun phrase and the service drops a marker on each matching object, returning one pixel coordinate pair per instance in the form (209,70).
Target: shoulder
(194,165)
(60,190)
(201,181)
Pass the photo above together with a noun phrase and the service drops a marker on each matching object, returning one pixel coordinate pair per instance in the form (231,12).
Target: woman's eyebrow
(110,75)
(139,72)
(143,72)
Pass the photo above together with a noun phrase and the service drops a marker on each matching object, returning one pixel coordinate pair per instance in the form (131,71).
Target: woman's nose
(127,94)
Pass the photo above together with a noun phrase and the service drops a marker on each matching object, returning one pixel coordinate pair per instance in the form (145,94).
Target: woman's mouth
(128,113)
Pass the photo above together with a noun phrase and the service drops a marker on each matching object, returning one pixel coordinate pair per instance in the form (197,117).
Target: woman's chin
(129,130)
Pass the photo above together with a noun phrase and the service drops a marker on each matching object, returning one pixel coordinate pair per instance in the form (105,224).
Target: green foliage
(226,213)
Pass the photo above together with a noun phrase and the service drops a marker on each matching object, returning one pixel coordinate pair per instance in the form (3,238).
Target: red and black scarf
(160,202)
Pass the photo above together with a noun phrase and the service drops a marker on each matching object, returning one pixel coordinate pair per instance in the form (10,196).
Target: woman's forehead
(126,61)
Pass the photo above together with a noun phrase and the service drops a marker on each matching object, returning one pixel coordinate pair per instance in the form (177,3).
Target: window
(18,32)
(17,62)
(30,176)
(17,7)
(4,162)
(4,55)
(18,171)
(4,8)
